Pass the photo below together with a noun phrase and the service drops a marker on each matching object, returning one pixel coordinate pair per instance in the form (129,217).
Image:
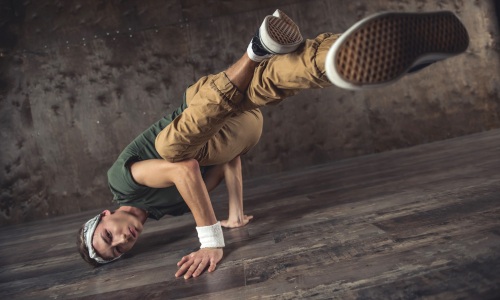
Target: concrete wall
(80,79)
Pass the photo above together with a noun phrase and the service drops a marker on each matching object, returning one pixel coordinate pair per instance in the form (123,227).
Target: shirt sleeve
(121,182)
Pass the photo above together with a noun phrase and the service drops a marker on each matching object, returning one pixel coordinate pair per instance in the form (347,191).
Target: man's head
(107,236)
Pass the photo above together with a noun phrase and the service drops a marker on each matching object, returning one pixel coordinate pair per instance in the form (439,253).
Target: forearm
(234,183)
(195,194)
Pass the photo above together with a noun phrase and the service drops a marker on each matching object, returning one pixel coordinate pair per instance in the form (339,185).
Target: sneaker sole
(279,36)
(382,48)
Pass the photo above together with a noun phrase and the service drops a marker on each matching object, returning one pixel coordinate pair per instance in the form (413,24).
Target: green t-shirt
(127,192)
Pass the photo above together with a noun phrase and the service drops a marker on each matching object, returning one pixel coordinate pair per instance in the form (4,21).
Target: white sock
(255,57)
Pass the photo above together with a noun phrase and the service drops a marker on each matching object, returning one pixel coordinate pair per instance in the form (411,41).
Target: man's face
(116,233)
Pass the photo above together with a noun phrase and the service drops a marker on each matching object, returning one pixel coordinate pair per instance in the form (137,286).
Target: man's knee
(255,122)
(168,149)
(258,126)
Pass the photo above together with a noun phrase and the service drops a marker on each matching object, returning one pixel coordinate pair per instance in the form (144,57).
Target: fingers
(183,260)
(191,269)
(234,224)
(184,264)
(183,269)
(196,263)
(190,266)
(213,264)
(246,220)
(201,267)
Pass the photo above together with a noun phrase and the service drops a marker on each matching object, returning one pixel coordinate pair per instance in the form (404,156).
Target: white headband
(88,232)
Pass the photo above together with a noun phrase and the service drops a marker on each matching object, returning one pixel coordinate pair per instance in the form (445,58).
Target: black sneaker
(382,48)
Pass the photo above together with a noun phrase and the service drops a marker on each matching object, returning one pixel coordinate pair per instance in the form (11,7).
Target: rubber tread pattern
(283,30)
(386,47)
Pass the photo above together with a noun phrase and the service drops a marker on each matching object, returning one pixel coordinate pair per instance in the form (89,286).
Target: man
(171,167)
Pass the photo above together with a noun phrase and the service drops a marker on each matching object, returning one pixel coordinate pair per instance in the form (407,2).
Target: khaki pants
(221,123)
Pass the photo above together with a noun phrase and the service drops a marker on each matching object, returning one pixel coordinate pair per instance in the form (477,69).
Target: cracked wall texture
(80,79)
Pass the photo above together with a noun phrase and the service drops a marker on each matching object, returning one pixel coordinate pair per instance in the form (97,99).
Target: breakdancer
(172,166)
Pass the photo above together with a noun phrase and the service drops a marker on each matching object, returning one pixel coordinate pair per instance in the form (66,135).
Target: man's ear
(106,212)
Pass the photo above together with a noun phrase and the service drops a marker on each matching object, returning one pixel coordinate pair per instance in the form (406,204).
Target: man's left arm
(234,182)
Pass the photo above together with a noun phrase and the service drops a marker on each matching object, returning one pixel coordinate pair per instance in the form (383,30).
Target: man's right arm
(186,176)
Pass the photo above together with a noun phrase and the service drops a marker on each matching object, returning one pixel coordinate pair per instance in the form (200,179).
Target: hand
(232,223)
(195,263)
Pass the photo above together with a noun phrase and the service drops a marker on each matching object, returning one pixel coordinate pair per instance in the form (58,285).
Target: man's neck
(141,214)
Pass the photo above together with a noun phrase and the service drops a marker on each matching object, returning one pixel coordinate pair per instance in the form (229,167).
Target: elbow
(191,164)
(187,172)
(188,167)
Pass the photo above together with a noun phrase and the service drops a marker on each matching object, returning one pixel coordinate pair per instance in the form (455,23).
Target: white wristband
(211,236)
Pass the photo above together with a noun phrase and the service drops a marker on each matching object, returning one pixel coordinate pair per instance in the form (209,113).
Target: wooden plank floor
(417,223)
